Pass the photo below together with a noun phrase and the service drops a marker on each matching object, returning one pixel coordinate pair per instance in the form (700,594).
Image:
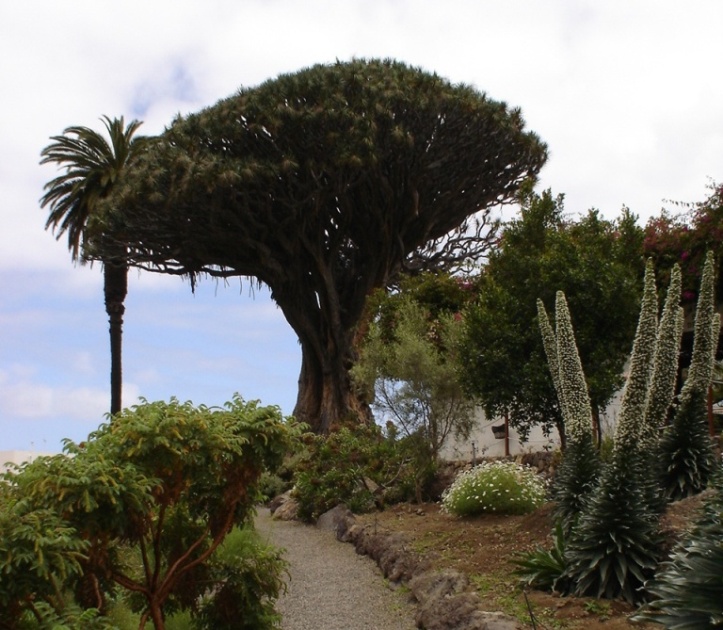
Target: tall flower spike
(665,365)
(715,336)
(549,342)
(632,406)
(572,378)
(701,365)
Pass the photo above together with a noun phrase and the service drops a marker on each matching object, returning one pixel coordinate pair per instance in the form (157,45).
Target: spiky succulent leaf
(688,588)
(613,549)
(686,452)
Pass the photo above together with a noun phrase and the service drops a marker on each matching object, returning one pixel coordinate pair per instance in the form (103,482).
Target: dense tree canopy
(323,185)
(597,264)
(142,505)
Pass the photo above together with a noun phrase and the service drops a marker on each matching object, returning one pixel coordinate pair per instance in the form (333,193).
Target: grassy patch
(507,596)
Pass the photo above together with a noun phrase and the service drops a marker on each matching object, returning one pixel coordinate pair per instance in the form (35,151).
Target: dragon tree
(324,185)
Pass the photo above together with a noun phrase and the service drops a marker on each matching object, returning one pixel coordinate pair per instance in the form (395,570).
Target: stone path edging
(446,600)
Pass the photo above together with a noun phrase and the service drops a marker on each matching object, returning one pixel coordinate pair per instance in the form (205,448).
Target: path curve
(331,587)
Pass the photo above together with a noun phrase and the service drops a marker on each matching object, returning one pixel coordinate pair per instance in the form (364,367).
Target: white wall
(487,445)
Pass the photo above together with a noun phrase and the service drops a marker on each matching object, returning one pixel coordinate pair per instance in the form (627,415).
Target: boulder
(335,520)
(287,511)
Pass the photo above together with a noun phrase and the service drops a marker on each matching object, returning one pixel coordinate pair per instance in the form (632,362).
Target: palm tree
(92,168)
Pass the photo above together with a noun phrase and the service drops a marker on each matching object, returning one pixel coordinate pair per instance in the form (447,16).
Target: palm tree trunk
(115,287)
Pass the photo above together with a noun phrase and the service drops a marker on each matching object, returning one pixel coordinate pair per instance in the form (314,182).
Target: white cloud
(27,400)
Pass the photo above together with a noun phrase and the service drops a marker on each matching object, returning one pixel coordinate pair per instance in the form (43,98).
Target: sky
(626,93)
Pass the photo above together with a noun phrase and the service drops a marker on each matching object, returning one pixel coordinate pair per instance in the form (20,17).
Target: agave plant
(689,587)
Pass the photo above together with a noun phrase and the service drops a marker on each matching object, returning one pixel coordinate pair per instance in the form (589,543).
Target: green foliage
(613,549)
(501,487)
(39,553)
(246,575)
(686,238)
(685,450)
(161,485)
(326,183)
(688,588)
(545,569)
(91,168)
(411,365)
(597,264)
(272,485)
(339,468)
(575,479)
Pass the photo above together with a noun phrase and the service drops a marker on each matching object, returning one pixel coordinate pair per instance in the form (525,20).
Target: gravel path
(331,587)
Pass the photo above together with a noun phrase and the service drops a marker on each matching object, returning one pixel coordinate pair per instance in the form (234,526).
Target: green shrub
(247,578)
(575,479)
(613,549)
(544,569)
(688,589)
(358,467)
(272,485)
(686,451)
(500,487)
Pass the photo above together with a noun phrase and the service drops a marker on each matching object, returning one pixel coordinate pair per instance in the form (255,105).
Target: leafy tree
(323,185)
(141,506)
(686,238)
(415,376)
(597,264)
(93,167)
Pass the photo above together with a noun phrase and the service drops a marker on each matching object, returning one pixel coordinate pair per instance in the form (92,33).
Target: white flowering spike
(665,364)
(549,342)
(576,400)
(632,406)
(705,338)
(715,336)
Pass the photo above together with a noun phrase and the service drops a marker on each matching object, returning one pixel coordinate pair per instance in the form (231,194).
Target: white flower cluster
(549,341)
(632,406)
(501,487)
(665,365)
(706,331)
(575,398)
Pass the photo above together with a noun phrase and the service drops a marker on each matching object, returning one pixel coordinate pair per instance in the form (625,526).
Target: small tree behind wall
(414,376)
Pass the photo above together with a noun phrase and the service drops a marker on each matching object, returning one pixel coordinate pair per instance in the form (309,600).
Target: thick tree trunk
(326,398)
(115,277)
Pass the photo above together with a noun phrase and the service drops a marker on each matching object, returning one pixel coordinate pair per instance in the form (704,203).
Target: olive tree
(323,185)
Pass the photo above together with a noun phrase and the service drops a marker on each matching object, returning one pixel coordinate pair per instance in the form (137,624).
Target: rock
(335,520)
(287,511)
(278,501)
(447,603)
(438,584)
